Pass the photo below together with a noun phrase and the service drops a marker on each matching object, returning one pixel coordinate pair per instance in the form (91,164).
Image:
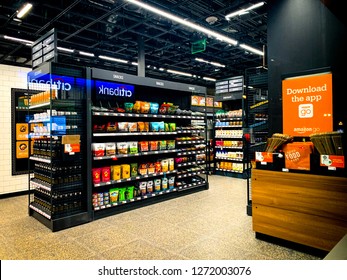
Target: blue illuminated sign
(104,88)
(59,82)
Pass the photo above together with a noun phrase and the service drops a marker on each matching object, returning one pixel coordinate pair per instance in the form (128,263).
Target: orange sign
(307,104)
(264,157)
(332,161)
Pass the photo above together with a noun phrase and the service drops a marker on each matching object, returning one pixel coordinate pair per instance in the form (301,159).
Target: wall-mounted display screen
(307,104)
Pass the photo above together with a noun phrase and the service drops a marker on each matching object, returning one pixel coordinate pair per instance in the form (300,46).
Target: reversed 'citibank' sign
(112,89)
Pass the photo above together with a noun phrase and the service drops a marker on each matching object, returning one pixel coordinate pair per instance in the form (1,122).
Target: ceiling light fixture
(134,63)
(86,53)
(27,42)
(179,73)
(65,49)
(184,22)
(210,62)
(244,11)
(112,59)
(24,10)
(253,50)
(209,79)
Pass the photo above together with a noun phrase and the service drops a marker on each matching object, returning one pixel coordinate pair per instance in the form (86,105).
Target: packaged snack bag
(115,172)
(114,193)
(125,171)
(105,174)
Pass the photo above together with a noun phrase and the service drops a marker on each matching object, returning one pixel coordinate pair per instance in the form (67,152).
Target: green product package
(129,194)
(133,147)
(162,145)
(128,107)
(133,169)
(172,127)
(122,194)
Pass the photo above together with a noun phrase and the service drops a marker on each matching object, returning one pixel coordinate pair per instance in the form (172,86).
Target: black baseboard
(14,194)
(292,245)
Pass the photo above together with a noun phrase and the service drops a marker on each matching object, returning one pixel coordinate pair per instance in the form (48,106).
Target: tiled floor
(207,225)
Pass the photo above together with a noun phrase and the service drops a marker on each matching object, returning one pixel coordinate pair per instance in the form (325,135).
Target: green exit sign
(198,46)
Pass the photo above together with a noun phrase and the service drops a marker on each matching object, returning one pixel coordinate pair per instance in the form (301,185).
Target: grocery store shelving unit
(229,129)
(256,119)
(229,156)
(57,186)
(206,106)
(152,170)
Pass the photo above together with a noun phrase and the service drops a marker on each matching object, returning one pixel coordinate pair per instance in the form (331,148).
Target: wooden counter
(302,208)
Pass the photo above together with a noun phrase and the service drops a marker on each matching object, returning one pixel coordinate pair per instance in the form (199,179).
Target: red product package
(106,174)
(96,172)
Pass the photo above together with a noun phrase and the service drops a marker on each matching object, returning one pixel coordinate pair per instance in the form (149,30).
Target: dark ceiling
(115,27)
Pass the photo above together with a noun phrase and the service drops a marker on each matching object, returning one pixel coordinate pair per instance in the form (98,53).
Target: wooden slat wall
(303,208)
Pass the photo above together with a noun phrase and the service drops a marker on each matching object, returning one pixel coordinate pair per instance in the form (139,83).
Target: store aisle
(210,224)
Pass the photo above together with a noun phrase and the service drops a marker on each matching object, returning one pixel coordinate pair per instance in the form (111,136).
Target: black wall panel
(302,36)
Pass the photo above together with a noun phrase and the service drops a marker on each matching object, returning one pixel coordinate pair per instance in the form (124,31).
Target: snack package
(154,126)
(154,108)
(161,126)
(115,172)
(125,171)
(110,149)
(171,164)
(96,173)
(122,148)
(105,174)
(121,195)
(157,185)
(170,144)
(145,106)
(164,108)
(142,169)
(164,165)
(162,145)
(99,128)
(132,126)
(166,127)
(128,107)
(133,147)
(157,166)
(171,182)
(129,193)
(141,126)
(123,127)
(98,149)
(143,187)
(143,146)
(164,184)
(111,127)
(114,195)
(151,168)
(150,184)
(153,145)
(133,169)
(172,127)
(137,107)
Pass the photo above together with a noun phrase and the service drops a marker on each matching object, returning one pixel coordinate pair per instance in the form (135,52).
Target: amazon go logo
(305,111)
(112,89)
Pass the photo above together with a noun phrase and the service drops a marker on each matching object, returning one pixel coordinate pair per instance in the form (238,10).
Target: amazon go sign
(108,89)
